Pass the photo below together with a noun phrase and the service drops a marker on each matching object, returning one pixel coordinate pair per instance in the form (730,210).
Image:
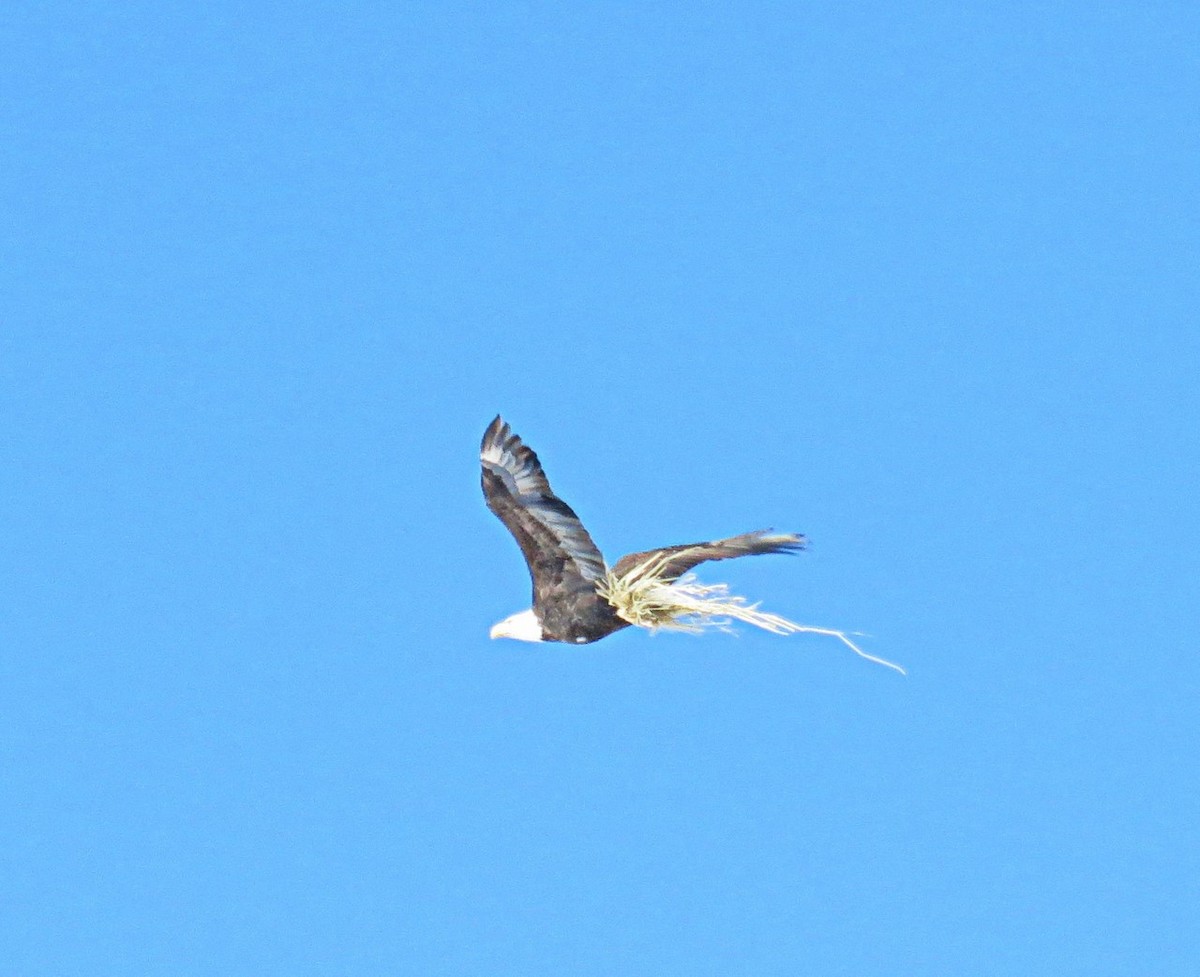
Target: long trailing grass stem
(643,598)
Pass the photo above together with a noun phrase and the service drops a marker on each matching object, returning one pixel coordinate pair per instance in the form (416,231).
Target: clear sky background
(918,280)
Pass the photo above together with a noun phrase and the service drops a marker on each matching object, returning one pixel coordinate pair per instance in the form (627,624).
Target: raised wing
(678,560)
(561,555)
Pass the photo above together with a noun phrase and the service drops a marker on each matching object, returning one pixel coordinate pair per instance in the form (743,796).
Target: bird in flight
(578,598)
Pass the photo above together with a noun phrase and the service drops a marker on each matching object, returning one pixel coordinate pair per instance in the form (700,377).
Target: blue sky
(919,281)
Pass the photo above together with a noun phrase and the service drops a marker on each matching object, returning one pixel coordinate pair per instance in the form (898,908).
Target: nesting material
(643,598)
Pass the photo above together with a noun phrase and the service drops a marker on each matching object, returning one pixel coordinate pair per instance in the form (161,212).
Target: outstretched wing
(678,560)
(561,555)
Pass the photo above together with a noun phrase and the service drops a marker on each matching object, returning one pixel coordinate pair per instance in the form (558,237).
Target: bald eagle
(577,598)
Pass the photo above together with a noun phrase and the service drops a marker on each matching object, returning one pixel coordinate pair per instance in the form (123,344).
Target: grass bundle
(643,598)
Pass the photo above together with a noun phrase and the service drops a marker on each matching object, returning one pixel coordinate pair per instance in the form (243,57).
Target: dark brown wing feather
(681,559)
(561,556)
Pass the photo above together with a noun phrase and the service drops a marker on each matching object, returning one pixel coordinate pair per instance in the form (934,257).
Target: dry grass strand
(643,598)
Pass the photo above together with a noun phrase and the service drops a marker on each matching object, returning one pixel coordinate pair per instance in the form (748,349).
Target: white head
(523,627)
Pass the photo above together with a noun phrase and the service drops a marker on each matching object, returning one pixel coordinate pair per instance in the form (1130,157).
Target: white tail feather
(643,598)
